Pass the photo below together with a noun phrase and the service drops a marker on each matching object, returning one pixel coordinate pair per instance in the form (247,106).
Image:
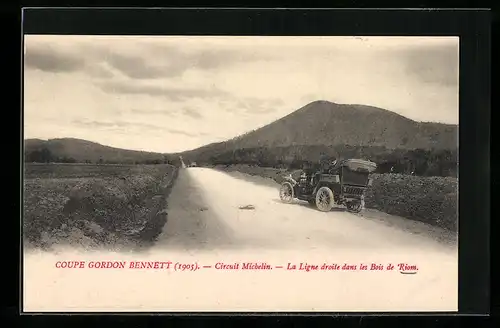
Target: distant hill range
(70,150)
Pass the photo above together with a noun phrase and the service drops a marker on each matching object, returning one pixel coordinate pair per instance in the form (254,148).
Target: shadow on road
(192,222)
(306,204)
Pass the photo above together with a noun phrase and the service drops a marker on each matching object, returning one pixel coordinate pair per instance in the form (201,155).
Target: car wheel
(324,199)
(286,192)
(354,207)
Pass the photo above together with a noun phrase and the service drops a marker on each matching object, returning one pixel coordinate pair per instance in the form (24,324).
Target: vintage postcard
(235,174)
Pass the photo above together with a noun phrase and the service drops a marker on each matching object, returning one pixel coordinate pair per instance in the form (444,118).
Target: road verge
(111,208)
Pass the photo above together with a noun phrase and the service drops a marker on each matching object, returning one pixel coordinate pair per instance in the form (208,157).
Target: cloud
(254,105)
(141,59)
(191,112)
(100,71)
(138,68)
(140,111)
(213,59)
(173,94)
(261,110)
(47,59)
(436,64)
(121,125)
(163,61)
(184,133)
(116,125)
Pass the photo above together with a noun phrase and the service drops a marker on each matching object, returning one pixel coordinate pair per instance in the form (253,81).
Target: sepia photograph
(240,173)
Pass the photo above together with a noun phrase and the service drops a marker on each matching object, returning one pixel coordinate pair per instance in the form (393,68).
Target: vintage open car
(340,183)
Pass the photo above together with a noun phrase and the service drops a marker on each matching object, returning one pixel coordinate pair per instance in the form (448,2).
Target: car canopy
(355,164)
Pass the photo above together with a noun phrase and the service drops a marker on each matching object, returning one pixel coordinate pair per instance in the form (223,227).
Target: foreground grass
(432,200)
(95,206)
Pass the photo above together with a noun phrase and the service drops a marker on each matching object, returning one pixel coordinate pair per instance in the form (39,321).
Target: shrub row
(433,200)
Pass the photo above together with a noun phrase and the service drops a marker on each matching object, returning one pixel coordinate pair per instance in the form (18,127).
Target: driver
(324,163)
(333,165)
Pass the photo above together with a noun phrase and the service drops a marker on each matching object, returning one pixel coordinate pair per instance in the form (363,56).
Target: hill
(77,150)
(323,127)
(327,123)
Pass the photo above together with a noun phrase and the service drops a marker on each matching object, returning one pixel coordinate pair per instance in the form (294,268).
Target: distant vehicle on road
(342,182)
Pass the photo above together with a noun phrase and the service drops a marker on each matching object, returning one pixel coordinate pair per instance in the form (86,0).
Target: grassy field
(70,170)
(432,200)
(112,206)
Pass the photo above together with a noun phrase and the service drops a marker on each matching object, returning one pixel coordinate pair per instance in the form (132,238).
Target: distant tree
(152,161)
(65,159)
(46,155)
(33,156)
(40,156)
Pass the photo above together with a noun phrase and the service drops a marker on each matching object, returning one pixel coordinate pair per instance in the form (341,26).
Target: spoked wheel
(324,199)
(354,207)
(286,192)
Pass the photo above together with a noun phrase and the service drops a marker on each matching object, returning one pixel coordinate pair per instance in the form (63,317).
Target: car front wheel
(286,192)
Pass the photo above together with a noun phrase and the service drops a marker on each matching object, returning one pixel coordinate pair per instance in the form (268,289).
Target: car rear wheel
(354,207)
(324,199)
(286,192)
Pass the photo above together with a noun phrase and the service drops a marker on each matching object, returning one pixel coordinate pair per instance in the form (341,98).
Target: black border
(472,26)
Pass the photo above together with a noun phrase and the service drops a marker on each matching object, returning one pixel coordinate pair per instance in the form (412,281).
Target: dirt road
(211,209)
(206,226)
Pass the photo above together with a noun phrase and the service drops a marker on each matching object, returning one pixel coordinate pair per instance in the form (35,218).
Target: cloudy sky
(171,93)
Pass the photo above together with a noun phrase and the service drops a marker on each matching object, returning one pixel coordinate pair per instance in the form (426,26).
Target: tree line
(415,161)
(419,162)
(44,155)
